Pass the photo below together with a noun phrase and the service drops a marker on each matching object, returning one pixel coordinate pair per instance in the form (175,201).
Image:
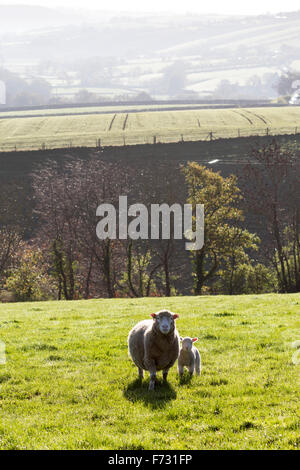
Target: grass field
(118,128)
(68,382)
(103,109)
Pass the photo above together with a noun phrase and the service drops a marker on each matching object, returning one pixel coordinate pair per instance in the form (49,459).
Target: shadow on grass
(185,379)
(137,391)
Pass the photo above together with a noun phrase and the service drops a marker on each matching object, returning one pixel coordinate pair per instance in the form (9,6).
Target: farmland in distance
(115,127)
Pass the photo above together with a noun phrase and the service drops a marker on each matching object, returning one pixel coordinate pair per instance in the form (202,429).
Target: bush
(247,279)
(30,279)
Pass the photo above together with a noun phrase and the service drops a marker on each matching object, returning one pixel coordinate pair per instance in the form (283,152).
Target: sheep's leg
(165,374)
(180,370)
(141,373)
(152,379)
(150,364)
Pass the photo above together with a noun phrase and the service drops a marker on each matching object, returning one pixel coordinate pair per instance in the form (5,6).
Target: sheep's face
(164,321)
(187,343)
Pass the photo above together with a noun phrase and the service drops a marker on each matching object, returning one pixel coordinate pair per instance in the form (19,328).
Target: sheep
(189,356)
(154,345)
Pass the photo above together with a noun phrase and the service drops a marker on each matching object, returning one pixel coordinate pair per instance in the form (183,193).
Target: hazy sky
(199,6)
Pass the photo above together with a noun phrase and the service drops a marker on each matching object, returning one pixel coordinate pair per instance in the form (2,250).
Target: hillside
(22,18)
(68,382)
(266,34)
(114,127)
(164,55)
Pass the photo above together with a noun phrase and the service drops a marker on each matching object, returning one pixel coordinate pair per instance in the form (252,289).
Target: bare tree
(9,243)
(66,201)
(272,195)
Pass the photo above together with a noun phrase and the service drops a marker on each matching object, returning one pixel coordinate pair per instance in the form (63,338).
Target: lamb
(154,345)
(189,356)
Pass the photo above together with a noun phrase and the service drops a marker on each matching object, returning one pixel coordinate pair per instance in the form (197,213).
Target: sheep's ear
(181,338)
(175,316)
(153,315)
(194,340)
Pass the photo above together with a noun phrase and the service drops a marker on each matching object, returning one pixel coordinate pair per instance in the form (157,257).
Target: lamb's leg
(141,373)
(180,370)
(198,364)
(191,367)
(165,374)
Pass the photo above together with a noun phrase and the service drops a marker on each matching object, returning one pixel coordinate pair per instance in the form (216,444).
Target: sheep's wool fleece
(164,349)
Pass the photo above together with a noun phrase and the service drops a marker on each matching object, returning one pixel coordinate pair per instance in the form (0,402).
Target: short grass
(120,128)
(68,382)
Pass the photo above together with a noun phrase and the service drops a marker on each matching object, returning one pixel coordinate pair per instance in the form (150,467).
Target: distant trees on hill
(254,88)
(21,93)
(287,83)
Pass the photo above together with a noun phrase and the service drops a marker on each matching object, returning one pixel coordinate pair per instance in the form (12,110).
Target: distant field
(103,109)
(68,382)
(115,127)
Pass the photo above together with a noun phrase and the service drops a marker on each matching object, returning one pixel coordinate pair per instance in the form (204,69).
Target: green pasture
(68,382)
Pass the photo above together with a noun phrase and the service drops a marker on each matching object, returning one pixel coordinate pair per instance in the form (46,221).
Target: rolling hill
(267,35)
(117,127)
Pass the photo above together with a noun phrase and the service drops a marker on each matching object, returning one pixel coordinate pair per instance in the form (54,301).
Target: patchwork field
(119,128)
(68,382)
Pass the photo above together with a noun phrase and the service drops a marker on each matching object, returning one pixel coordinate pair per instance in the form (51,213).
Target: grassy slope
(68,382)
(168,126)
(94,109)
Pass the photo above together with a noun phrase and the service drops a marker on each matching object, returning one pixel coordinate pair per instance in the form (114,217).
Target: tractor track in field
(111,122)
(257,115)
(244,116)
(125,122)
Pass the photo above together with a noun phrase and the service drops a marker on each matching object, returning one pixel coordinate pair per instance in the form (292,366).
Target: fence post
(154,139)
(267,131)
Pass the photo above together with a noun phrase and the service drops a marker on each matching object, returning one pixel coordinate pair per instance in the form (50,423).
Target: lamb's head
(187,343)
(164,321)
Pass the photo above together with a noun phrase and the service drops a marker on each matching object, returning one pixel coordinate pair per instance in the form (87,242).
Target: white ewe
(154,344)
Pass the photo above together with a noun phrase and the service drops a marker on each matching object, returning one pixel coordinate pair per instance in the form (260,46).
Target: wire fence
(128,138)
